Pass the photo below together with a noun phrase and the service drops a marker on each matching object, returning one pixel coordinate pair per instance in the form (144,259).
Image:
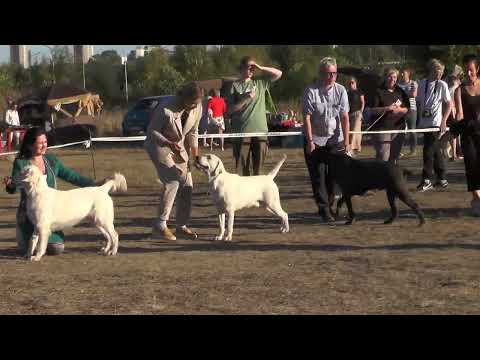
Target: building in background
(82,53)
(20,55)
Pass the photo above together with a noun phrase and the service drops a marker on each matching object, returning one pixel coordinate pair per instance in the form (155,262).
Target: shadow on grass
(262,247)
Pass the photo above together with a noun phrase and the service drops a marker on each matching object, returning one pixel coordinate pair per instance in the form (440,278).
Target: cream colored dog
(50,210)
(231,192)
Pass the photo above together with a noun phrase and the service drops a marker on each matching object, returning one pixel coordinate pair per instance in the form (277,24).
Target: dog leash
(376,121)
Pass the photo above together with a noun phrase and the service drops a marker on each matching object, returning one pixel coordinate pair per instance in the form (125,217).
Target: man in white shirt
(12,120)
(326,129)
(432,94)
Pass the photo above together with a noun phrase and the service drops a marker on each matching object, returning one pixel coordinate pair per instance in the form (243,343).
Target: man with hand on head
(246,106)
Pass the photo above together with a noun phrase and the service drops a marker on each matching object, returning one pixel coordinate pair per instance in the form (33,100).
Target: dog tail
(277,167)
(115,184)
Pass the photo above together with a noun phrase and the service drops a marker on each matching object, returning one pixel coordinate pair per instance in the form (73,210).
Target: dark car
(137,118)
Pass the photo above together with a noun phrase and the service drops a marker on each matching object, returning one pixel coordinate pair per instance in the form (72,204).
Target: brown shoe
(186,233)
(165,234)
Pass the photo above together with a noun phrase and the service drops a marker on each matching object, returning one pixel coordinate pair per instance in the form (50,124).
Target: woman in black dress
(467,101)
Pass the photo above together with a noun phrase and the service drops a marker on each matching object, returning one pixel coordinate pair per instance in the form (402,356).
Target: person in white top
(431,95)
(12,120)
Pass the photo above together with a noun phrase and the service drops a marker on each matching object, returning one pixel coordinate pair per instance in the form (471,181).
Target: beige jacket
(166,124)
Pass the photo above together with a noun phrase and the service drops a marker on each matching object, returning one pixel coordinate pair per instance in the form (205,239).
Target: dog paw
(36,258)
(218,238)
(228,238)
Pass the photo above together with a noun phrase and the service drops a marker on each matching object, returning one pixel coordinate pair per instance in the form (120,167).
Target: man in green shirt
(248,115)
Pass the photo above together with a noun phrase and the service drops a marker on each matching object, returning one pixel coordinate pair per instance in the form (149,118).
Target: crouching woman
(33,152)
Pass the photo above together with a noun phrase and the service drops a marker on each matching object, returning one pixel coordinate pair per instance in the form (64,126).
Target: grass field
(368,268)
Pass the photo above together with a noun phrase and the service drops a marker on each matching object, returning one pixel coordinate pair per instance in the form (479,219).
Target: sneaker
(442,183)
(186,233)
(165,234)
(425,186)
(412,153)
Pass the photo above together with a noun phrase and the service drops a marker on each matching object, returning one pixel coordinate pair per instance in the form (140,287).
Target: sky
(121,49)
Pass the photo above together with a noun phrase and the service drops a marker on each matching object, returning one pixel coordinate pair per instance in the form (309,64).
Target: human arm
(344,109)
(458,104)
(273,73)
(448,100)
(192,136)
(308,109)
(362,102)
(10,186)
(8,118)
(69,175)
(157,121)
(243,100)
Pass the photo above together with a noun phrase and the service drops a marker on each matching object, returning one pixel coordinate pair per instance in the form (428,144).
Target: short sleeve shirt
(253,116)
(430,97)
(383,98)
(325,108)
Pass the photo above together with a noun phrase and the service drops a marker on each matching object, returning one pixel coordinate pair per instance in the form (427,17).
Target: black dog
(356,177)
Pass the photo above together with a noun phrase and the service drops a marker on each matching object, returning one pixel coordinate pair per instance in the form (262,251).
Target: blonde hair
(435,63)
(389,71)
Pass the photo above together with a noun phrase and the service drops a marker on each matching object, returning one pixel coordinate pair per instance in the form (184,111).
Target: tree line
(162,71)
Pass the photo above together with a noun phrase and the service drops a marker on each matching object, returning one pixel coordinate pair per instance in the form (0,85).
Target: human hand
(197,163)
(443,128)
(310,147)
(7,180)
(256,66)
(348,149)
(174,146)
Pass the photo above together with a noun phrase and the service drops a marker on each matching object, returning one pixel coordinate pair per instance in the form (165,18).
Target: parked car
(137,118)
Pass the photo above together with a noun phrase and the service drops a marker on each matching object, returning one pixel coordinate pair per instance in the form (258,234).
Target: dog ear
(219,168)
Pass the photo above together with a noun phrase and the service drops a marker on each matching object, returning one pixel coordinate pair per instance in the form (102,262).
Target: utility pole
(124,62)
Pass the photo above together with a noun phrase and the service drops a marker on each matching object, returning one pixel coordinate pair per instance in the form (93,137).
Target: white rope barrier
(87,143)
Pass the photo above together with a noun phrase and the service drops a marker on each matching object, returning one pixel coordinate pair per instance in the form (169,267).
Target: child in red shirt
(216,110)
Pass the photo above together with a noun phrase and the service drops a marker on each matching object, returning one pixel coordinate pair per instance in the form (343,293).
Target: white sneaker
(425,186)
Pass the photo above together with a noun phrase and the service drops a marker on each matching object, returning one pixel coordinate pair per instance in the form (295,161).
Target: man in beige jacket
(171,136)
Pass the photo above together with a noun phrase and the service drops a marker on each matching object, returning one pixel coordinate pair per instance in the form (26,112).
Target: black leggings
(470,143)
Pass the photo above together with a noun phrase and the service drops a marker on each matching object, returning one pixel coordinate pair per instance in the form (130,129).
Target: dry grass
(368,268)
(110,123)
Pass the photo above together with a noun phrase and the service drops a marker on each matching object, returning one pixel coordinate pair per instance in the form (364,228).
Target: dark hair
(190,92)
(12,104)
(469,58)
(29,139)
(244,62)
(409,70)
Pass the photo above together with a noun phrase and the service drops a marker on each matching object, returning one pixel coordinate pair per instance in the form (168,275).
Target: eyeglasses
(328,73)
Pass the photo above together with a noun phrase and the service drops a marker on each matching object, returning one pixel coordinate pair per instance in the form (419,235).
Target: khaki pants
(178,188)
(250,150)
(356,125)
(388,146)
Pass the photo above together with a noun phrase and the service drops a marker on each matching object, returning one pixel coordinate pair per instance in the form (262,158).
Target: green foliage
(161,72)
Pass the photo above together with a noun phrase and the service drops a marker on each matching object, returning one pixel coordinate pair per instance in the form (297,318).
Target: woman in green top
(33,151)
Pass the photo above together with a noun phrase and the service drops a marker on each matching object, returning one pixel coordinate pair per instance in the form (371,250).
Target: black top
(354,100)
(471,110)
(383,97)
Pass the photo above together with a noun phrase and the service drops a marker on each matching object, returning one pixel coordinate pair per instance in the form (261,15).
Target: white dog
(231,192)
(50,210)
